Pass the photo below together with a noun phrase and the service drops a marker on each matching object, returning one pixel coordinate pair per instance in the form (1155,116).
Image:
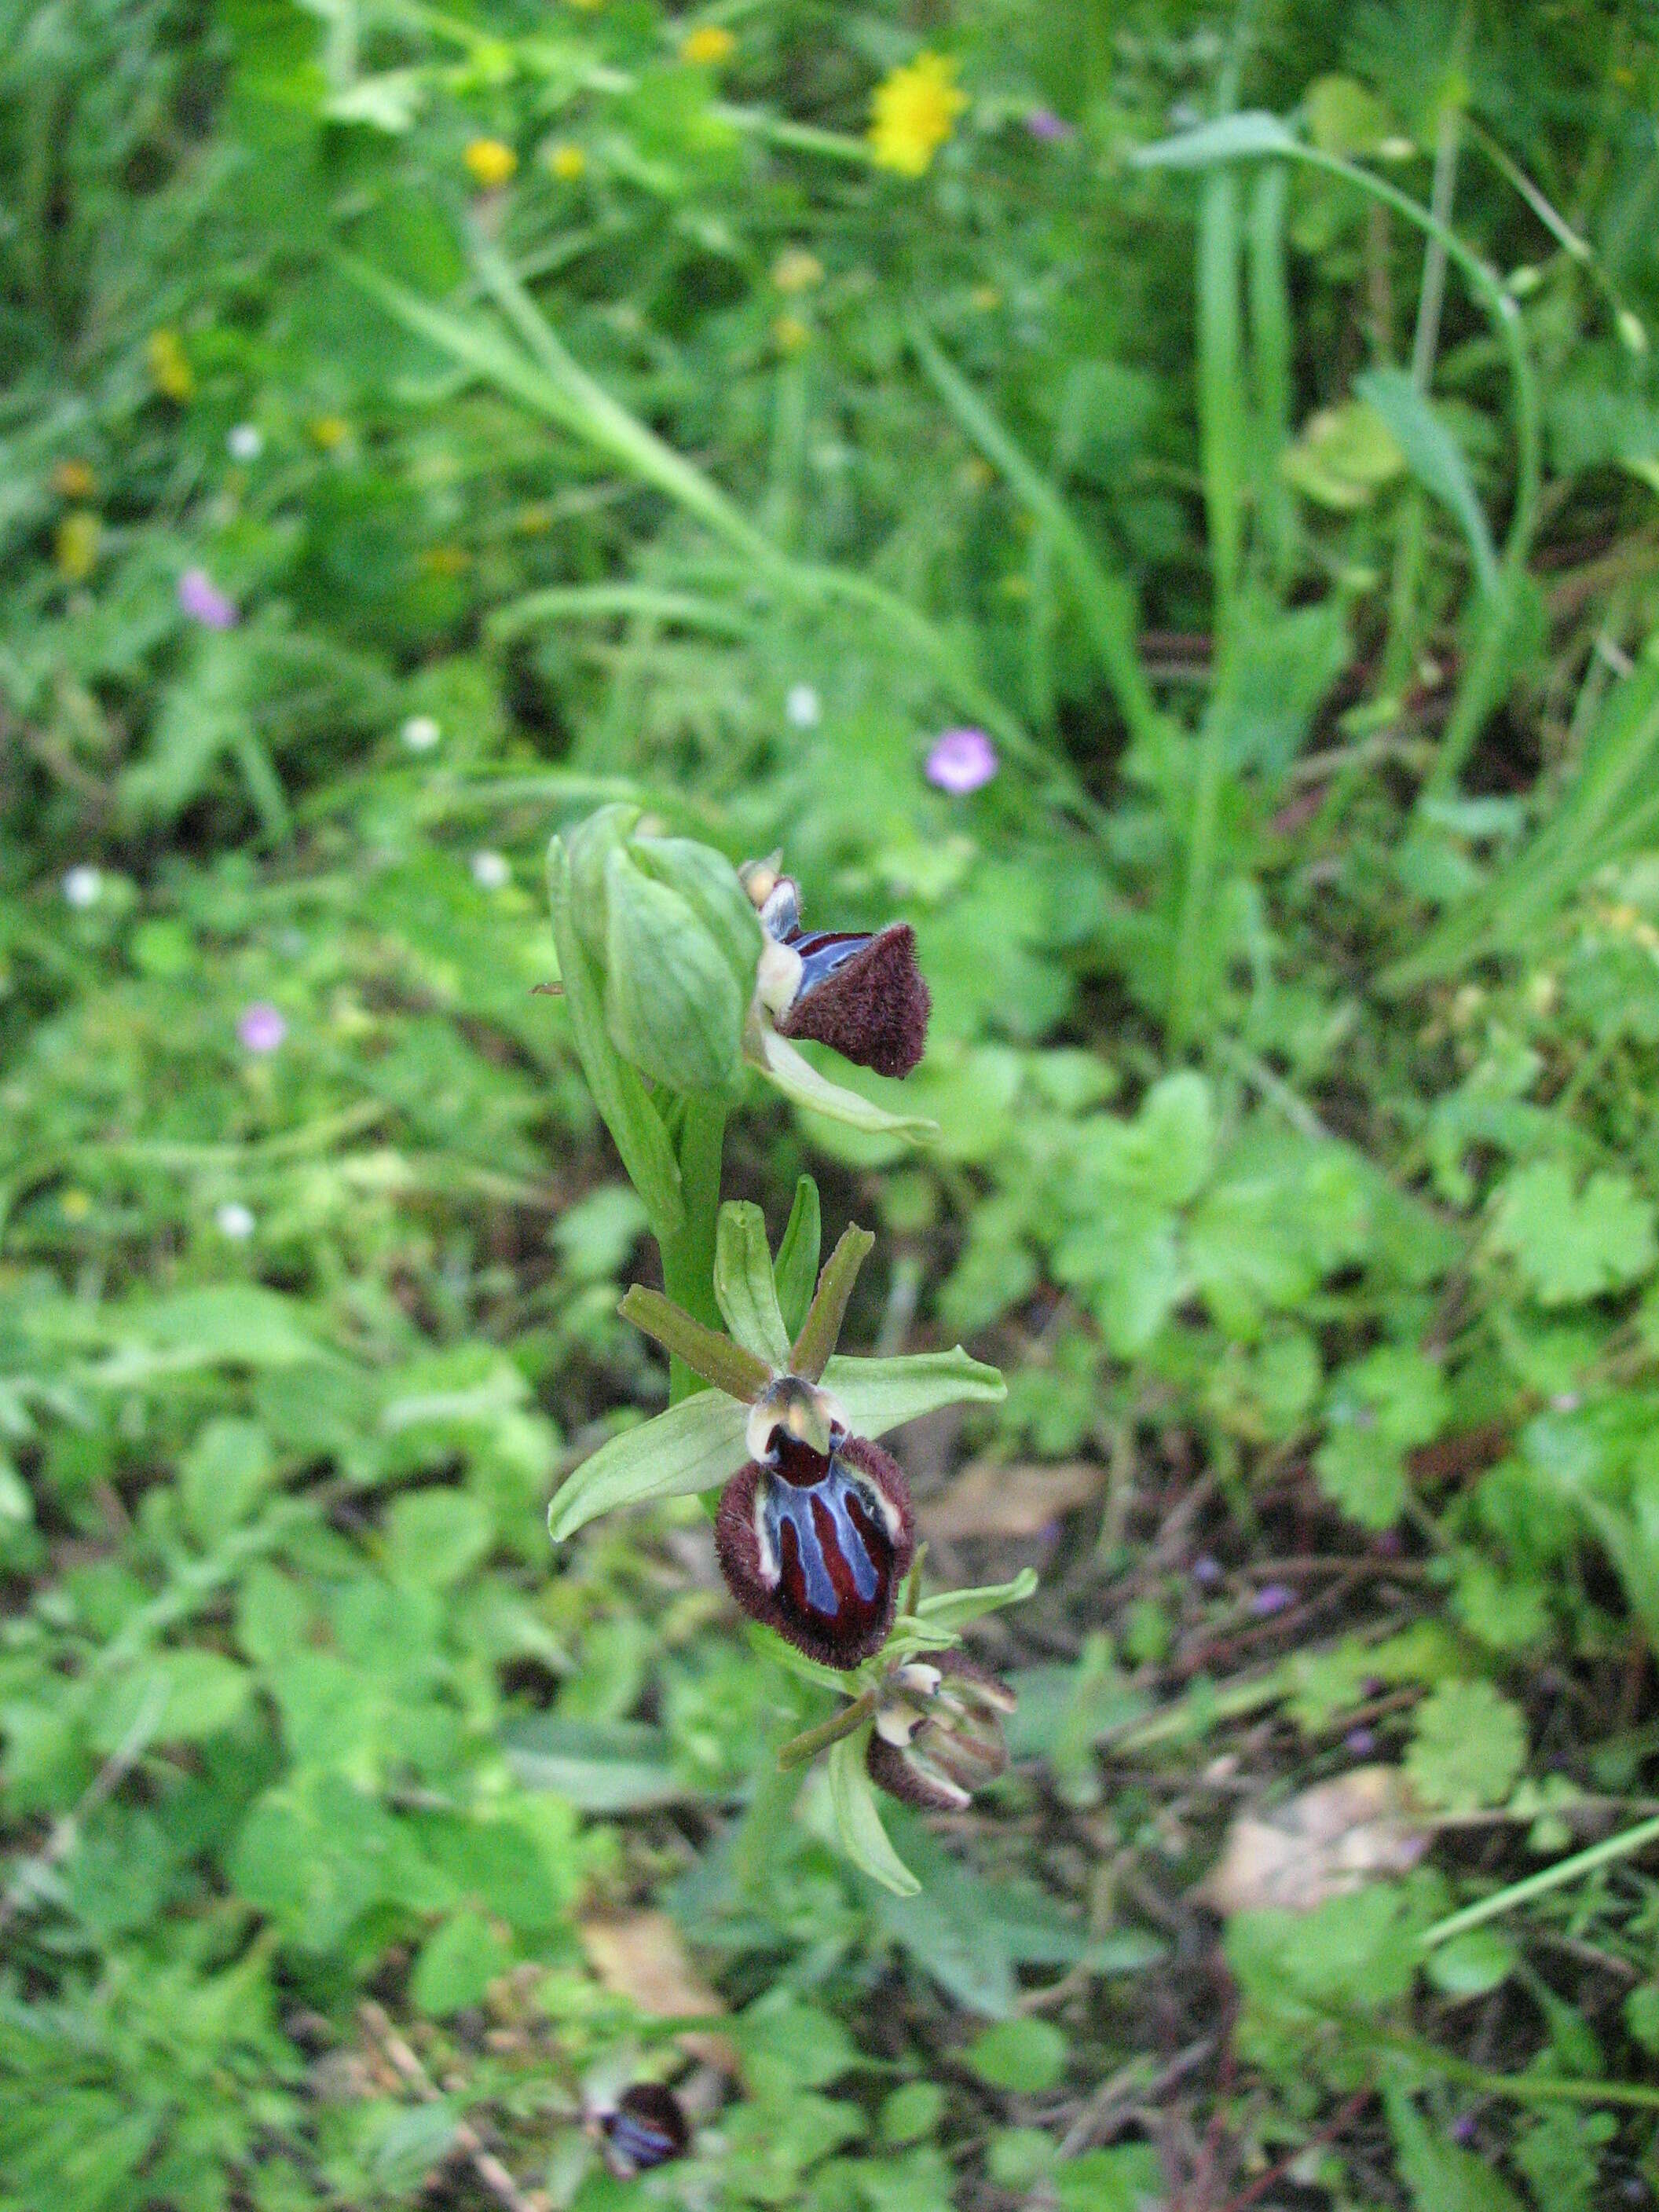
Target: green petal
(743,1288)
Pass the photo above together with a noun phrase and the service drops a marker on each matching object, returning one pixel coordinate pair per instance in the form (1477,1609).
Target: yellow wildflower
(77,546)
(789,334)
(445,560)
(169,367)
(74,1205)
(796,271)
(915,112)
(710,43)
(568,162)
(491,162)
(73,480)
(329,431)
(984,297)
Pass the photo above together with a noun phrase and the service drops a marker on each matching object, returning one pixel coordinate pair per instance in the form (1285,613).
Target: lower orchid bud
(937,1736)
(646,2128)
(816,1544)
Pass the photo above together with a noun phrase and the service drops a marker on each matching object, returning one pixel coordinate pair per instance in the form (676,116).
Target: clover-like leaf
(852,1799)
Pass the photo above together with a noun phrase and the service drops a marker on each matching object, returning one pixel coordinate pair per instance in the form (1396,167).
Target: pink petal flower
(962,761)
(262,1027)
(204,602)
(1048,127)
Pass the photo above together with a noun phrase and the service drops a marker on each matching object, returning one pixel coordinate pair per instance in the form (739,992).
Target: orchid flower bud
(646,2128)
(675,943)
(816,1535)
(862,995)
(937,1736)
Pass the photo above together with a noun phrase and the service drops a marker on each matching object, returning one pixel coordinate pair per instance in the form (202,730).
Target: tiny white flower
(84,886)
(490,871)
(802,707)
(246,441)
(420,734)
(234,1220)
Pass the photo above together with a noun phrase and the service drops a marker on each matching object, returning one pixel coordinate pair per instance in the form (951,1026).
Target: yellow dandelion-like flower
(74,1205)
(796,271)
(491,161)
(329,431)
(169,365)
(73,480)
(76,547)
(789,334)
(913,113)
(710,43)
(566,162)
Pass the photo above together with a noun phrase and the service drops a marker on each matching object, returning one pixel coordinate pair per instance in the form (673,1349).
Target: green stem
(1611,1848)
(687,1255)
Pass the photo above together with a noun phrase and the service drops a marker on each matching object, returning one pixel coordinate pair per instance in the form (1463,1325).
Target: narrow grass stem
(1606,1853)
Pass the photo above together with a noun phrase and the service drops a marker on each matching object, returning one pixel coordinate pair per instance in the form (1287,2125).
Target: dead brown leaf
(641,1956)
(990,1499)
(1322,1843)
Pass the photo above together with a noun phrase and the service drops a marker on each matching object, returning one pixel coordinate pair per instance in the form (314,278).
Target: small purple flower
(1206,1571)
(1463,2128)
(1048,128)
(1360,1741)
(1272,1598)
(962,761)
(204,602)
(262,1027)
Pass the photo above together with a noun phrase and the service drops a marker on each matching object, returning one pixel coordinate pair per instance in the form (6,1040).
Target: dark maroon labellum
(862,996)
(647,2128)
(816,1544)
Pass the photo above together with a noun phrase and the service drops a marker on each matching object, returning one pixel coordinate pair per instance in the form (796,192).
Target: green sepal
(947,1610)
(790,1072)
(858,1818)
(797,1267)
(730,1367)
(743,1288)
(679,962)
(623,1101)
(820,1331)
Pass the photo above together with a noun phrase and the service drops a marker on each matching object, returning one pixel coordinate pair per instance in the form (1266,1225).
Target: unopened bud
(937,1736)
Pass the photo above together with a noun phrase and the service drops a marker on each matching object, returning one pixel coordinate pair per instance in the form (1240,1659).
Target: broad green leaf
(1433,457)
(790,1072)
(879,1394)
(598,1766)
(1253,133)
(695,1445)
(1024,2056)
(744,1287)
(434,1538)
(229,1324)
(853,1797)
(222,1475)
(1441,2175)
(797,1269)
(174,1697)
(1128,2178)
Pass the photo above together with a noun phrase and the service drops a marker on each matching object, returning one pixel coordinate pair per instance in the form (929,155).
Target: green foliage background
(1297,998)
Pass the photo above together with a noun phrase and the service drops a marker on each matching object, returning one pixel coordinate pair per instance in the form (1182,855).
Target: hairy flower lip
(816,1546)
(647,2127)
(859,992)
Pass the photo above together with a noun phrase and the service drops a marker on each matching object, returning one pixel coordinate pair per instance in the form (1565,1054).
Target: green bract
(668,932)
